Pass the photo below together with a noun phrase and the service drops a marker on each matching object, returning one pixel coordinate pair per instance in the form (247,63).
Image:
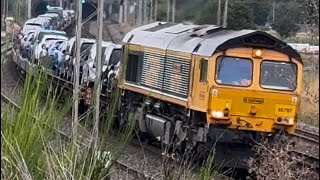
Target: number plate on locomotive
(253,100)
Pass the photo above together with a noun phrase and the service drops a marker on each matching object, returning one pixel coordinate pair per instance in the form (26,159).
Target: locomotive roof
(203,40)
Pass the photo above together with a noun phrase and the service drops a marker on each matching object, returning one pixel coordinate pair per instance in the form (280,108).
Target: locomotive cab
(254,89)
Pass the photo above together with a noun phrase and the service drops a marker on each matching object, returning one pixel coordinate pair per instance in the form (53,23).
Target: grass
(31,148)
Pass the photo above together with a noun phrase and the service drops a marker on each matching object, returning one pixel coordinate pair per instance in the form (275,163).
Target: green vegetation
(286,17)
(31,147)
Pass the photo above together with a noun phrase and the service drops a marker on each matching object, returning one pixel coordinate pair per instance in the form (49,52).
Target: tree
(312,18)
(206,14)
(261,12)
(287,17)
(240,16)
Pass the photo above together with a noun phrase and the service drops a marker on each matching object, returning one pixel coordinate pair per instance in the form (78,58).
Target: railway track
(306,159)
(6,49)
(307,136)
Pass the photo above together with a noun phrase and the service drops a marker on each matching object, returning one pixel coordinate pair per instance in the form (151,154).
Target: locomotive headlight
(257,53)
(285,120)
(288,120)
(217,114)
(291,121)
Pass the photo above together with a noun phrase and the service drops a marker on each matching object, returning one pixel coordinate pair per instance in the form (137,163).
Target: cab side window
(132,68)
(203,70)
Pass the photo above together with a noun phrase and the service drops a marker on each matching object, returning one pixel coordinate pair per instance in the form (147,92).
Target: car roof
(52,14)
(53,31)
(42,19)
(83,40)
(55,36)
(55,8)
(49,16)
(33,20)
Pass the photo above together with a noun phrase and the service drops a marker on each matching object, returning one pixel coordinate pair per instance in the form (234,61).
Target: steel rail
(308,159)
(306,135)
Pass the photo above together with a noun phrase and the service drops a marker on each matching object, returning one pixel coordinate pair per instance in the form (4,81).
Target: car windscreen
(42,34)
(84,49)
(115,57)
(33,24)
(50,40)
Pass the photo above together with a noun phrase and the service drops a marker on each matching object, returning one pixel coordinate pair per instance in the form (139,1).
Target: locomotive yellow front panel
(256,94)
(251,110)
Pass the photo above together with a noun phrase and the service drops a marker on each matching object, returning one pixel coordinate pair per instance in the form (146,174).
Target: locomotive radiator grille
(152,69)
(168,74)
(176,76)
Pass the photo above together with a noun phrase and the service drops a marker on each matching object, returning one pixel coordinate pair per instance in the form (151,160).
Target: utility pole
(273,10)
(110,11)
(3,12)
(156,10)
(97,84)
(140,12)
(60,3)
(145,17)
(125,11)
(7,8)
(151,11)
(121,13)
(168,10)
(29,9)
(225,15)
(173,10)
(76,87)
(219,13)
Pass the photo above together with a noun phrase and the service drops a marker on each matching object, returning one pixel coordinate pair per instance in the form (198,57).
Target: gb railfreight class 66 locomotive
(190,81)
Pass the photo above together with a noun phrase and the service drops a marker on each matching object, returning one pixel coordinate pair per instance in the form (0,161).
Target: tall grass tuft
(32,148)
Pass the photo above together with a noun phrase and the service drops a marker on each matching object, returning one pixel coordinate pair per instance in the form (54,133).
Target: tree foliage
(287,17)
(262,12)
(208,13)
(240,16)
(247,14)
(312,8)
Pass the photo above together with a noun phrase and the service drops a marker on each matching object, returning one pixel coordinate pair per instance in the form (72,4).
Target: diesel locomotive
(190,82)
